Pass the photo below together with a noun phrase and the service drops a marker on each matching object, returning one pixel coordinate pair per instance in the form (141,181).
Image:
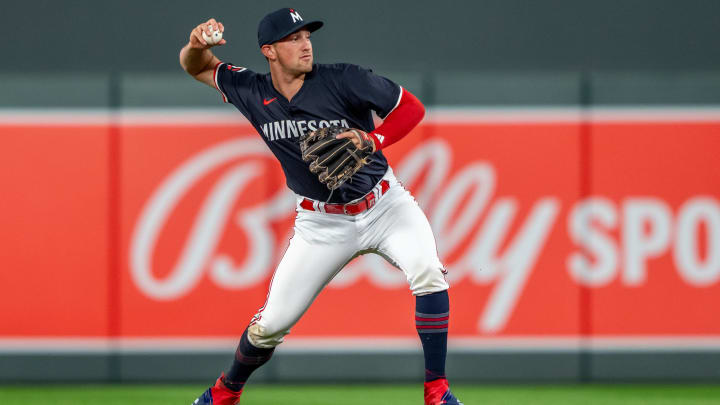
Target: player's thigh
(304,270)
(407,241)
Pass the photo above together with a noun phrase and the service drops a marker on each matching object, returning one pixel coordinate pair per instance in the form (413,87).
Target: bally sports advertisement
(554,226)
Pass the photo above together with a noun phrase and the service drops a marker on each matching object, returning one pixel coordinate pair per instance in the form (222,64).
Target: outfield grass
(365,394)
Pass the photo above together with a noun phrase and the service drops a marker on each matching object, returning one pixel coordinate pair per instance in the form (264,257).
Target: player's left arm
(408,112)
(400,121)
(401,109)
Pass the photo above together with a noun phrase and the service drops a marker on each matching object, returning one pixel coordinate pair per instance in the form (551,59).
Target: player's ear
(268,51)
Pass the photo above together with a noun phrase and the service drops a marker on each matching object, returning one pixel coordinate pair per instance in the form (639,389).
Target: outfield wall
(582,244)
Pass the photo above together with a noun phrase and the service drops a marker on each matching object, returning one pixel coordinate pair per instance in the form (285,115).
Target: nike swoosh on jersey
(266,101)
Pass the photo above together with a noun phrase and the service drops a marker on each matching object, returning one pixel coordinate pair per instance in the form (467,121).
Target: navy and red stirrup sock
(248,358)
(432,313)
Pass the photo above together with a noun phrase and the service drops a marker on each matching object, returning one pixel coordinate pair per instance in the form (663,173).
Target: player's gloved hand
(360,138)
(196,38)
(335,158)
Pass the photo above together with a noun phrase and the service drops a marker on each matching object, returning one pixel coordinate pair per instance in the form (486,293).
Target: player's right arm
(196,58)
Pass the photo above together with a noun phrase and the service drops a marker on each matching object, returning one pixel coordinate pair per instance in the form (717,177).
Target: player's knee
(265,337)
(427,278)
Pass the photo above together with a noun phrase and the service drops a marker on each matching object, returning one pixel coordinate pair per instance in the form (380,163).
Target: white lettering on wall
(693,269)
(596,264)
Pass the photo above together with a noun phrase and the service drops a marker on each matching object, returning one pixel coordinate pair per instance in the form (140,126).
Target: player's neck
(286,83)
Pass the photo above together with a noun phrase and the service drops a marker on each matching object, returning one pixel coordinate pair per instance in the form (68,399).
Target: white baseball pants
(395,228)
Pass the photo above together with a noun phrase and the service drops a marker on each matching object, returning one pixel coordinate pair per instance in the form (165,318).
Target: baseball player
(371,213)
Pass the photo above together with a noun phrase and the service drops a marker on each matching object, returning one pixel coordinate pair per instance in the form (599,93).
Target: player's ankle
(231,385)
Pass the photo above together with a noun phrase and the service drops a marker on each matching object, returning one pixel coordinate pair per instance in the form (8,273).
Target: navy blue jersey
(340,94)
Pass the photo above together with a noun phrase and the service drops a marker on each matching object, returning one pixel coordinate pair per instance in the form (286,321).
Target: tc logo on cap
(295,16)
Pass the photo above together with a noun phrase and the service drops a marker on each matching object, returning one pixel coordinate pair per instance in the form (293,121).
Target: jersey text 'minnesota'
(289,128)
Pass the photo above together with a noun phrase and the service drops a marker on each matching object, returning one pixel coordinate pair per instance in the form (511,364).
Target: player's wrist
(375,140)
(365,140)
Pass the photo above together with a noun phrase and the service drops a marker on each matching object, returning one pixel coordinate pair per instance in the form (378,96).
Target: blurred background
(568,164)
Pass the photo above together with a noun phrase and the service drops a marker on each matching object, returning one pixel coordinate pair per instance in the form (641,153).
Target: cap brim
(311,26)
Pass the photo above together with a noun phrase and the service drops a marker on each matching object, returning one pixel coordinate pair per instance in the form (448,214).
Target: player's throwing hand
(208,28)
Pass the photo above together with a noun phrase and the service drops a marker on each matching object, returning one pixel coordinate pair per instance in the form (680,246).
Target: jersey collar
(308,77)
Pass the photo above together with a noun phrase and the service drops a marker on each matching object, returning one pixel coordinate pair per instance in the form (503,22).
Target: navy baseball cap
(281,23)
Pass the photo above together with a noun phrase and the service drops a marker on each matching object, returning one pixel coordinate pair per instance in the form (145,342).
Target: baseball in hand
(214,37)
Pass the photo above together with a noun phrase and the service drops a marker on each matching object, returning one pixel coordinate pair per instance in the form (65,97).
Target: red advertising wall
(54,230)
(563,228)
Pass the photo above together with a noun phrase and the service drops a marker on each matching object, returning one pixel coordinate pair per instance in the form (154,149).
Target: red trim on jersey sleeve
(400,121)
(215,81)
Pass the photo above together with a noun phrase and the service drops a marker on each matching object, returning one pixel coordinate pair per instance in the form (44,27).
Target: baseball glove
(334,160)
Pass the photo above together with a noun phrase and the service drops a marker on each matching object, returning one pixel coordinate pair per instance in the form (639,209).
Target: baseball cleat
(204,399)
(437,392)
(218,394)
(449,399)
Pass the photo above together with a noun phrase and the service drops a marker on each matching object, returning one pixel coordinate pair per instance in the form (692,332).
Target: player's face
(294,52)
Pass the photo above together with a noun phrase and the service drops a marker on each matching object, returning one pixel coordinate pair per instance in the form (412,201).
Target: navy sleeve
(366,90)
(234,83)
